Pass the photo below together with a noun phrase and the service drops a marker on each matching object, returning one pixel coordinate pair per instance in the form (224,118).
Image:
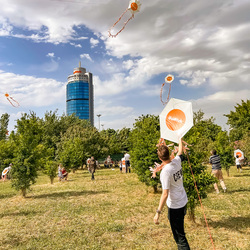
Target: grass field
(116,212)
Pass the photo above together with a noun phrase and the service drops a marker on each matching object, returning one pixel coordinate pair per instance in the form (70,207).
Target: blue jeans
(176,219)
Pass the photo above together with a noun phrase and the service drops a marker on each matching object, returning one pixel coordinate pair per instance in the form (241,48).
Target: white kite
(239,153)
(176,119)
(134,7)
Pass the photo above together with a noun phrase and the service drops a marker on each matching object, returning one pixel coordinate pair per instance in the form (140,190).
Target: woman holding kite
(173,193)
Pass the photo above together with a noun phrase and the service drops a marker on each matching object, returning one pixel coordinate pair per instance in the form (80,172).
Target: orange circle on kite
(169,78)
(175,119)
(134,6)
(239,154)
(7,95)
(5,171)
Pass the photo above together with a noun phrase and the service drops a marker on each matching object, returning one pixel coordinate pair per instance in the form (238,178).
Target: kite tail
(168,93)
(125,23)
(13,104)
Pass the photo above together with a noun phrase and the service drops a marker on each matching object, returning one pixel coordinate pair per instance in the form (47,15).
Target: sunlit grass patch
(116,212)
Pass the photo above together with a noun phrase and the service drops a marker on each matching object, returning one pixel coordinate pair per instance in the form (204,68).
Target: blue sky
(204,44)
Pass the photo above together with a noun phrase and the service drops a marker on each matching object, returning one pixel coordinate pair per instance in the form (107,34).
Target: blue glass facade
(78,99)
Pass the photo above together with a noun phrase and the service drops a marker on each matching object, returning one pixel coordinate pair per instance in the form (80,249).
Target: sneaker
(225,190)
(217,191)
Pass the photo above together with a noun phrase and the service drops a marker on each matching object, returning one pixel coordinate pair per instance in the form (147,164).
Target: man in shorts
(216,170)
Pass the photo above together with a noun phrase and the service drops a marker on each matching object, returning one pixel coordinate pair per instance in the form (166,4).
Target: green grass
(116,212)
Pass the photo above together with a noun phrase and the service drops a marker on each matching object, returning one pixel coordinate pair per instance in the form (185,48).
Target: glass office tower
(79,96)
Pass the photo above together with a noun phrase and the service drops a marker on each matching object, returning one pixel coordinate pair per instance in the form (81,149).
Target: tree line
(40,144)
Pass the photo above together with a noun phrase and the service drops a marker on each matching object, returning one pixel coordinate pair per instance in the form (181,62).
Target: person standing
(123,165)
(216,170)
(60,176)
(127,162)
(109,161)
(238,164)
(173,194)
(92,167)
(5,172)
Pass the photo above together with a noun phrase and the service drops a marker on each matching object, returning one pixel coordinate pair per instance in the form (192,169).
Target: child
(238,164)
(60,176)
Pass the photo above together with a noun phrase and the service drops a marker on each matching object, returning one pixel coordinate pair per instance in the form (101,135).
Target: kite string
(168,93)
(200,202)
(125,23)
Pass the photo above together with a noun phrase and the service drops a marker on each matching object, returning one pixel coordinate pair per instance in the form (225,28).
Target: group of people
(62,173)
(125,164)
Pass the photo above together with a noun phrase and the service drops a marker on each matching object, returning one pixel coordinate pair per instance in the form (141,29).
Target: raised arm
(180,149)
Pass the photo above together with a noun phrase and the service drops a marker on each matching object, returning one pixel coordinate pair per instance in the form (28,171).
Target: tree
(203,180)
(50,169)
(225,150)
(143,138)
(239,121)
(77,145)
(123,139)
(202,135)
(28,152)
(111,141)
(7,148)
(4,121)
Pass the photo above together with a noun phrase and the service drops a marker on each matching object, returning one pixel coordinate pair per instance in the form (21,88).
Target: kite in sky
(134,6)
(176,119)
(12,101)
(168,79)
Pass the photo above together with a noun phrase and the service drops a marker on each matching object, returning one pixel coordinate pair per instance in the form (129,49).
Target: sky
(205,45)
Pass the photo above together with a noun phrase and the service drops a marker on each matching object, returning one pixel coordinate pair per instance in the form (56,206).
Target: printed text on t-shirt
(177,175)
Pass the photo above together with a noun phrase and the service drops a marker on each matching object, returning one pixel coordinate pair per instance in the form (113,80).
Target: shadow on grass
(66,194)
(233,223)
(238,190)
(241,175)
(3,196)
(21,213)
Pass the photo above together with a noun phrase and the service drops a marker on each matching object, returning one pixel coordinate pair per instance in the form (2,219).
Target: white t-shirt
(238,161)
(127,157)
(172,179)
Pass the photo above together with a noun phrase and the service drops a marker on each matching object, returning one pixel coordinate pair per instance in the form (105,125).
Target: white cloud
(87,56)
(51,55)
(30,91)
(76,45)
(220,103)
(93,42)
(6,28)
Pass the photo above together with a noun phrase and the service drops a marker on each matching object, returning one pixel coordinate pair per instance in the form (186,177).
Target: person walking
(92,167)
(216,170)
(173,194)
